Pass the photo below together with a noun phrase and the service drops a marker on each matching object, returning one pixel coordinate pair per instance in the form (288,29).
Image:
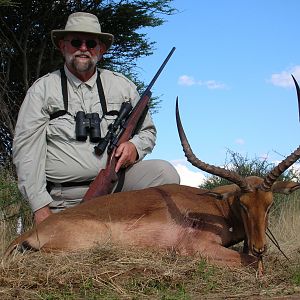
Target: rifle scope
(124,111)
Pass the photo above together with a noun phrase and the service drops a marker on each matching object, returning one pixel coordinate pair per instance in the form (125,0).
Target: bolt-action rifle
(125,126)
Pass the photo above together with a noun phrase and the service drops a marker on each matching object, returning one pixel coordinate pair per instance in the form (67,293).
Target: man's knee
(167,172)
(149,173)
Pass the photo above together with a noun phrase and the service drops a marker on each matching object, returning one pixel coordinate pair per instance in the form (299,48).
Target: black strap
(64,89)
(58,114)
(51,185)
(121,175)
(101,94)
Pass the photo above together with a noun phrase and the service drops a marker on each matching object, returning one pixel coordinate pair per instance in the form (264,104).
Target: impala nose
(258,251)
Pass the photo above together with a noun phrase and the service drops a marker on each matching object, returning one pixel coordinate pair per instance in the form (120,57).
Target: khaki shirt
(45,149)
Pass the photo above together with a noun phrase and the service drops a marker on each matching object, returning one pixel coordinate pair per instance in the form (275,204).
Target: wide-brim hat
(82,22)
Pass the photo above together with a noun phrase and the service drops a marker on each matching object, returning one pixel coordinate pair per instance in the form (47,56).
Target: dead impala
(180,218)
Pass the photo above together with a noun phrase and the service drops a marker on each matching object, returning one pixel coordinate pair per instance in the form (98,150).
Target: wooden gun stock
(104,182)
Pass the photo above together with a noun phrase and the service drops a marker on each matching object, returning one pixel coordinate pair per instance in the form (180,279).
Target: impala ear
(215,195)
(224,192)
(220,196)
(285,187)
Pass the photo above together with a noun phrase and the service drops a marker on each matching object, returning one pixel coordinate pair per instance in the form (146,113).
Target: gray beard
(81,67)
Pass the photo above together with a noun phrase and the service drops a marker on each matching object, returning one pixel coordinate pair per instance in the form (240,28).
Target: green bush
(245,166)
(15,213)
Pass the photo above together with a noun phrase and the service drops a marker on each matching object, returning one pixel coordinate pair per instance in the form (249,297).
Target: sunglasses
(77,43)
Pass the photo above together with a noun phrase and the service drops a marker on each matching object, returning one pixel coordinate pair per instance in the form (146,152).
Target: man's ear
(102,49)
(61,45)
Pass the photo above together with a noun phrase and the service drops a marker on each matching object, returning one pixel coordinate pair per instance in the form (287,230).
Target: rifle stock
(104,182)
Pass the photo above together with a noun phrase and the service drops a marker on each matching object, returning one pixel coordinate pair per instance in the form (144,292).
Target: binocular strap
(64,89)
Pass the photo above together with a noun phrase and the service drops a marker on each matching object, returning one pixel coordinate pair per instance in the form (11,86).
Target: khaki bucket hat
(82,22)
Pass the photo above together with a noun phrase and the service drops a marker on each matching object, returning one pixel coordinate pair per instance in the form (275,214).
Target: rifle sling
(121,176)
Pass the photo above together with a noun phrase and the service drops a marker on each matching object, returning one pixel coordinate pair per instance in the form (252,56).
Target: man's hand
(127,155)
(41,214)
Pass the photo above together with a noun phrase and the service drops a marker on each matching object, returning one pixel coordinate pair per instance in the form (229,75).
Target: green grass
(13,208)
(296,276)
(207,274)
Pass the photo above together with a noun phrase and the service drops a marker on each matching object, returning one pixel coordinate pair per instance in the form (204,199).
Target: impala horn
(287,162)
(221,172)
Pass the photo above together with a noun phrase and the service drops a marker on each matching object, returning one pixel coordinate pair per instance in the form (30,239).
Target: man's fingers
(119,150)
(120,161)
(126,154)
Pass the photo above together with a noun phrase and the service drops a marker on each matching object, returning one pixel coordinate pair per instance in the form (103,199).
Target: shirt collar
(77,82)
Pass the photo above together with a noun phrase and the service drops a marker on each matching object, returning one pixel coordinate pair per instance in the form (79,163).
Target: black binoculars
(87,124)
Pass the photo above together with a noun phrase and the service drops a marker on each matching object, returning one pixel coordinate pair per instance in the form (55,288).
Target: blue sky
(231,71)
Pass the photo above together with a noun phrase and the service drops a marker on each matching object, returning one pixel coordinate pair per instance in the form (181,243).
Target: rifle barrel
(160,70)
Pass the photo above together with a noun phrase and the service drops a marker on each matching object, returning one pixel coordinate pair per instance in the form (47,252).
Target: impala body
(179,218)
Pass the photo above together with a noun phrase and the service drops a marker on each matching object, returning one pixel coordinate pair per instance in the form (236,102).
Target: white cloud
(187,80)
(284,79)
(187,176)
(240,141)
(212,84)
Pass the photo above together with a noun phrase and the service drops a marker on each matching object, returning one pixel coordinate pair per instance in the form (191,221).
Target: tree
(26,51)
(6,3)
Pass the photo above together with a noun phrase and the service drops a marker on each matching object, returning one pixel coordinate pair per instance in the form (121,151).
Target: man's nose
(83,46)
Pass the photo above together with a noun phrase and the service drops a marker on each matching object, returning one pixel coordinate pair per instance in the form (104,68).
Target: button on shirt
(45,149)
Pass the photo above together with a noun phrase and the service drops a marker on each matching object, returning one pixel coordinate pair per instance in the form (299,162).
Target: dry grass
(111,273)
(285,222)
(107,272)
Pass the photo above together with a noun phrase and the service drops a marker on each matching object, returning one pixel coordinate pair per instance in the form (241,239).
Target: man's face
(82,51)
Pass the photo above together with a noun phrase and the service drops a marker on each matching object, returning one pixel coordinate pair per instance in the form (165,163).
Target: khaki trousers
(143,174)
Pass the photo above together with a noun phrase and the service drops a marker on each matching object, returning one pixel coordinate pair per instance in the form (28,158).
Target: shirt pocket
(113,107)
(62,128)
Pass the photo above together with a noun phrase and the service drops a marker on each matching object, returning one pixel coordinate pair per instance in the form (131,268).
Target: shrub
(15,213)
(245,166)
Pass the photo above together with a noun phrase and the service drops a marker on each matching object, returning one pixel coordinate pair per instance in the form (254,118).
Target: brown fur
(181,218)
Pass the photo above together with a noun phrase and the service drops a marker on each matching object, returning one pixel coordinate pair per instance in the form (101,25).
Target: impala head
(253,194)
(254,209)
